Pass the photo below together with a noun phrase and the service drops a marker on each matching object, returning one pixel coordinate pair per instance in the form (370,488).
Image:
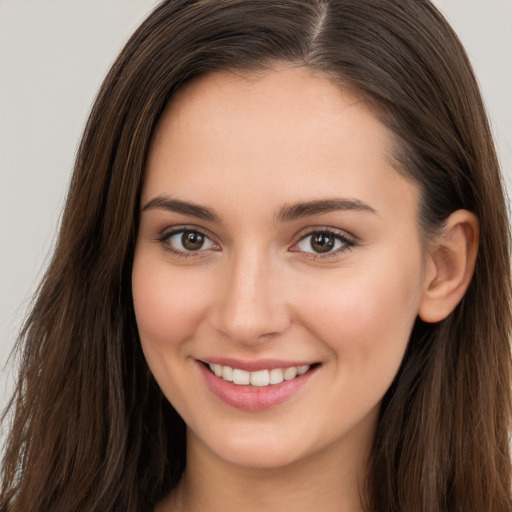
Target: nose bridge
(252,304)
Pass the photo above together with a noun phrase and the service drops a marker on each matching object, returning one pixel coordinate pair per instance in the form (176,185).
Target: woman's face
(275,238)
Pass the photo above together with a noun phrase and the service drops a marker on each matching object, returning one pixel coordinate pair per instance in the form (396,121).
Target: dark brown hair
(91,431)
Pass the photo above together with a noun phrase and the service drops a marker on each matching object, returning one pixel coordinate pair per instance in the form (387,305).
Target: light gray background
(53,56)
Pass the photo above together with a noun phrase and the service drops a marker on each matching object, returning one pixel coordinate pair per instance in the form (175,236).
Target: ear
(449,268)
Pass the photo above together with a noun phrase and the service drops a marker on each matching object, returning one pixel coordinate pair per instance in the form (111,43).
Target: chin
(265,450)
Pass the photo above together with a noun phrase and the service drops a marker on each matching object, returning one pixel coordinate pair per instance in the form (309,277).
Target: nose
(252,302)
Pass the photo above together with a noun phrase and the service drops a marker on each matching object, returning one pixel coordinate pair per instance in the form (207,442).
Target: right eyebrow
(183,207)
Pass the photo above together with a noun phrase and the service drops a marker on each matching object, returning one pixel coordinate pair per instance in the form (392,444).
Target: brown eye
(185,241)
(322,242)
(192,240)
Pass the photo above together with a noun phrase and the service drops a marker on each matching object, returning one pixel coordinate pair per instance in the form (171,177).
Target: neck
(331,480)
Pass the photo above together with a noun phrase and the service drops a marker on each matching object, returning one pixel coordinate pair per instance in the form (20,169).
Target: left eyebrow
(317,207)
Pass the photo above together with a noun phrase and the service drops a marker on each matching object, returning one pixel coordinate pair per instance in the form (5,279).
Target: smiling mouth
(260,378)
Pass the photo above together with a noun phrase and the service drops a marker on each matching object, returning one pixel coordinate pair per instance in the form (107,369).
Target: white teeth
(227,373)
(290,373)
(217,369)
(241,377)
(260,378)
(276,376)
(301,370)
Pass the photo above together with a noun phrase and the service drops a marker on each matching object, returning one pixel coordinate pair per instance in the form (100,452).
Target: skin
(247,147)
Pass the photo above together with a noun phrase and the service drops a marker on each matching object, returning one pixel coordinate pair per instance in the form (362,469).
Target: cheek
(367,318)
(168,305)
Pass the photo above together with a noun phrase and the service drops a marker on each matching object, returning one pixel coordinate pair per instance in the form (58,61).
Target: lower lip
(253,398)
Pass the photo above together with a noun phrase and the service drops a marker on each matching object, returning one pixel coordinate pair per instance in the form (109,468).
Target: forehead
(287,133)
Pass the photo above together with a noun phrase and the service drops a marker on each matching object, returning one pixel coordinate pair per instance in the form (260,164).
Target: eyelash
(164,239)
(346,243)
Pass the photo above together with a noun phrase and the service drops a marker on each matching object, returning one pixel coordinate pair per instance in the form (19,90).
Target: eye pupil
(192,240)
(322,242)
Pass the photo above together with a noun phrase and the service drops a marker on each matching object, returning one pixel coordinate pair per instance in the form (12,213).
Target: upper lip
(255,365)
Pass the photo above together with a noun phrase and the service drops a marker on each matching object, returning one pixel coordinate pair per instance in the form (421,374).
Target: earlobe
(450,265)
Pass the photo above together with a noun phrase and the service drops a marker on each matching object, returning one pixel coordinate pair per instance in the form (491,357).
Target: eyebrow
(183,207)
(286,214)
(299,210)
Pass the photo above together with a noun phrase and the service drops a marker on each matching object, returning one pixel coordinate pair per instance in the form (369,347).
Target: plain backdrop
(53,57)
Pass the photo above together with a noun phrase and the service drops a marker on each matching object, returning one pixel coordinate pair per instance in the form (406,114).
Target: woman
(287,221)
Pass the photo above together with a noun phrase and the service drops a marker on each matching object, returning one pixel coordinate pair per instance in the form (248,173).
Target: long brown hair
(91,431)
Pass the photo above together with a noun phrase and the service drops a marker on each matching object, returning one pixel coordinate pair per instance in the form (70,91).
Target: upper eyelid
(172,230)
(348,243)
(164,235)
(304,232)
(301,232)
(297,237)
